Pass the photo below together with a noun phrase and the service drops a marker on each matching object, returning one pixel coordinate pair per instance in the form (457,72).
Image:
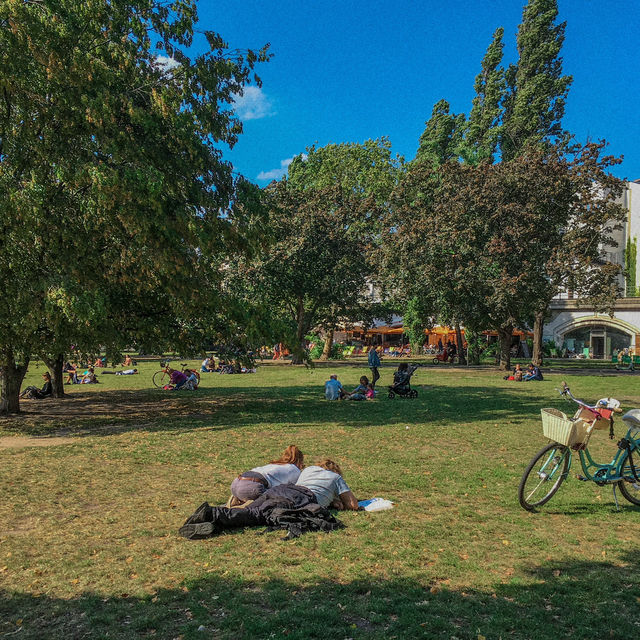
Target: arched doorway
(597,337)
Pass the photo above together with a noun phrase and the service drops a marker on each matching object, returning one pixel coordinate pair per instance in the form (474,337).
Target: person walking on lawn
(374,363)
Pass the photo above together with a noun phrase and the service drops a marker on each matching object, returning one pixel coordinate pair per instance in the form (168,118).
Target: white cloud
(276,174)
(253,104)
(167,63)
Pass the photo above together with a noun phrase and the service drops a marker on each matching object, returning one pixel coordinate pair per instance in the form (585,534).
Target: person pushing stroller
(402,381)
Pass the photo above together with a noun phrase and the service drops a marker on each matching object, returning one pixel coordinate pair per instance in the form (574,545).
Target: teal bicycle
(550,467)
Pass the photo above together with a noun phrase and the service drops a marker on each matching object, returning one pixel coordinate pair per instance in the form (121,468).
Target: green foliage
(416,318)
(111,174)
(536,89)
(630,264)
(442,138)
(337,349)
(484,120)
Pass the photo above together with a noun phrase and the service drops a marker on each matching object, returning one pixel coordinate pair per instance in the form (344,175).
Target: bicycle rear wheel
(630,490)
(544,475)
(160,378)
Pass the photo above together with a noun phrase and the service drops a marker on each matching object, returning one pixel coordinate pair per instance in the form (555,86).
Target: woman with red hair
(285,470)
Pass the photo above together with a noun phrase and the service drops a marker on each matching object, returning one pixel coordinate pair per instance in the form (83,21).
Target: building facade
(578,328)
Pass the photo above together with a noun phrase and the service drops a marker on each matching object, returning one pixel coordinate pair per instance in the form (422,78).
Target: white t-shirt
(324,484)
(276,474)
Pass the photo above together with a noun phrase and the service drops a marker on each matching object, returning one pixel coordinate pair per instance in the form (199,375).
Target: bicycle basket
(588,416)
(556,426)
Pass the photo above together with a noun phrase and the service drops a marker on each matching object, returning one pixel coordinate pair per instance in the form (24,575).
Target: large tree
(508,234)
(111,172)
(366,170)
(315,271)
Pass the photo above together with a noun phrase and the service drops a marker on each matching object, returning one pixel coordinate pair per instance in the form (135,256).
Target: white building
(579,328)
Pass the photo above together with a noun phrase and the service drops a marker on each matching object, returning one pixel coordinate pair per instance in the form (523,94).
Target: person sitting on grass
(517,374)
(371,392)
(206,367)
(33,393)
(297,507)
(127,362)
(72,374)
(253,483)
(176,378)
(89,377)
(333,388)
(533,373)
(360,392)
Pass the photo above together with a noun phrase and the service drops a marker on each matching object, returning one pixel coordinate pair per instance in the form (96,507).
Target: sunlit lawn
(88,529)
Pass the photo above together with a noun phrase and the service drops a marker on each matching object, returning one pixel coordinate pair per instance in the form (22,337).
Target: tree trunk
(298,349)
(538,327)
(55,367)
(11,377)
(504,335)
(328,344)
(461,355)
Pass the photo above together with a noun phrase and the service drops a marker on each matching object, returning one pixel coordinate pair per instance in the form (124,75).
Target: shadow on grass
(567,600)
(108,411)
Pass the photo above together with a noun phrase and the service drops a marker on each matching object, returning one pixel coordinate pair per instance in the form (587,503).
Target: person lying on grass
(33,393)
(253,483)
(298,507)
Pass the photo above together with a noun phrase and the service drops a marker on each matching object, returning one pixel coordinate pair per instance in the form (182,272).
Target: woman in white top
(285,470)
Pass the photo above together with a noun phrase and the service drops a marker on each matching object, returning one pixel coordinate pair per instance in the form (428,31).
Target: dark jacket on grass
(285,506)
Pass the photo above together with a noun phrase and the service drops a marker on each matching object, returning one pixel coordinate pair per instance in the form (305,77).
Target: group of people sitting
(209,366)
(333,389)
(75,376)
(532,373)
(284,493)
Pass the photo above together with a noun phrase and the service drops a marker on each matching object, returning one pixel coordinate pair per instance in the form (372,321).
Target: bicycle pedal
(582,478)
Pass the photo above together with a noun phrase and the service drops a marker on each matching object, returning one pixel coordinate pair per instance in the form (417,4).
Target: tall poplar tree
(484,124)
(442,137)
(536,89)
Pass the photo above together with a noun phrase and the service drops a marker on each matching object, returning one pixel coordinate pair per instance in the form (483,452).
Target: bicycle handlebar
(565,391)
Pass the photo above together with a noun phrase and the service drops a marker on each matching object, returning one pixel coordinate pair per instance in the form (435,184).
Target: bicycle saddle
(632,418)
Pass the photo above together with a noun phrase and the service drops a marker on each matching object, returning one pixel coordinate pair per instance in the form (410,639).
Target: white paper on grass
(379,504)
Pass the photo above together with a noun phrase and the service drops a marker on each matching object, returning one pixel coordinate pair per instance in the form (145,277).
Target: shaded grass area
(88,543)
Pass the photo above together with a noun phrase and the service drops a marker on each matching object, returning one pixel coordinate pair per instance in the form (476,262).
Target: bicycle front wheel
(160,378)
(544,475)
(631,489)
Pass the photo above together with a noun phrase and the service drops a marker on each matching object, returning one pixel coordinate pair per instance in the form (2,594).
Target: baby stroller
(402,382)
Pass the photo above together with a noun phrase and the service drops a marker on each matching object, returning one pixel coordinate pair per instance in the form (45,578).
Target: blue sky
(346,71)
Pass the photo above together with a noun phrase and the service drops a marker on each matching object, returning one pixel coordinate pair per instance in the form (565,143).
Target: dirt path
(17,442)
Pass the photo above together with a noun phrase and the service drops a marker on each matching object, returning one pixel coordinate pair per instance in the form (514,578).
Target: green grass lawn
(88,528)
